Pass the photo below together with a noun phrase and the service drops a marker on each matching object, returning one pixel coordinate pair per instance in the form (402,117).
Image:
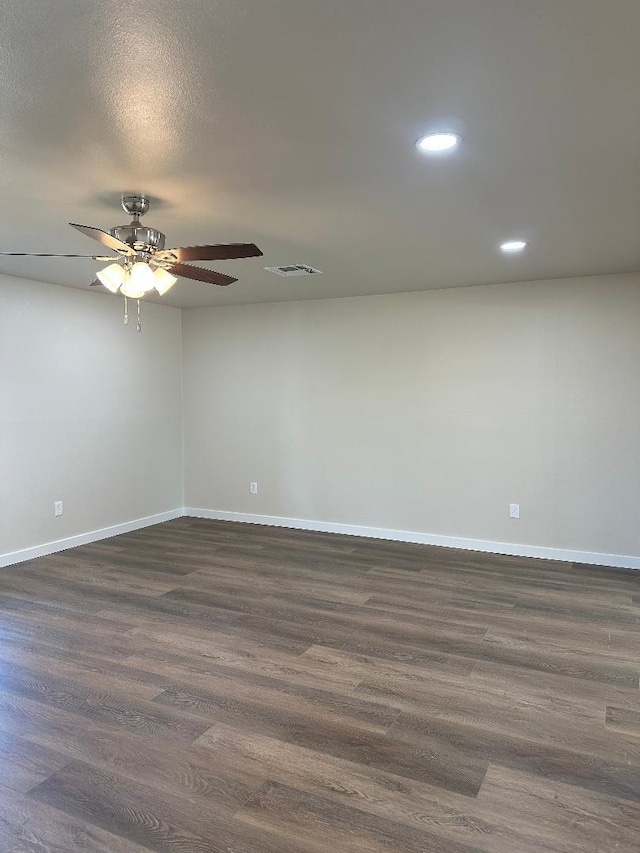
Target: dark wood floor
(206,686)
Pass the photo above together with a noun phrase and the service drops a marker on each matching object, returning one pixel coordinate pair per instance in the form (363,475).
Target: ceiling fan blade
(52,255)
(221,252)
(201,274)
(105,238)
(96,283)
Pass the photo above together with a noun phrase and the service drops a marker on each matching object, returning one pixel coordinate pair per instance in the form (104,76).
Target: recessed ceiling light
(437,143)
(513,246)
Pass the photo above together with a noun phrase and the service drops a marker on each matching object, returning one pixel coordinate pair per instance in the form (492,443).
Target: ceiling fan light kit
(142,264)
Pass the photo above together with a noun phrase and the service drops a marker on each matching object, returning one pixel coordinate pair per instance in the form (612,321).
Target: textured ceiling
(291,123)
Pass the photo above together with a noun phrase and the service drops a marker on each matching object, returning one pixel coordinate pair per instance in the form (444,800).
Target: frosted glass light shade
(112,277)
(137,281)
(129,289)
(164,280)
(132,290)
(142,277)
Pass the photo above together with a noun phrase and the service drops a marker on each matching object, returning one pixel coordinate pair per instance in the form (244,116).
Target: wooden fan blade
(221,252)
(201,274)
(105,238)
(96,283)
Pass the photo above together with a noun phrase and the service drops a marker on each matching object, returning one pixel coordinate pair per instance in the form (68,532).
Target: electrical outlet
(514,510)
(253,488)
(57,508)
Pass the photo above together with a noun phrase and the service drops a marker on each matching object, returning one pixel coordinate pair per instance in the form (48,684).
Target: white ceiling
(292,123)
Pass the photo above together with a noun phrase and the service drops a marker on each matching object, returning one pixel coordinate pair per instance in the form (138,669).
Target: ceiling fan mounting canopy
(135,205)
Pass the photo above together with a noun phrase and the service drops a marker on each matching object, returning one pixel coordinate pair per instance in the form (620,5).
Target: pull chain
(139,323)
(126,311)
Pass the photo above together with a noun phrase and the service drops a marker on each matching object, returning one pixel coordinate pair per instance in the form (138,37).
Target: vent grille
(294,269)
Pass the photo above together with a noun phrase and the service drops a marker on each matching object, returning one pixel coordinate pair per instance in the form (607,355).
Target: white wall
(421,412)
(426,412)
(90,413)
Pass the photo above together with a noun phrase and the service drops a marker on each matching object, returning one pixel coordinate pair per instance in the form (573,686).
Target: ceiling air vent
(294,269)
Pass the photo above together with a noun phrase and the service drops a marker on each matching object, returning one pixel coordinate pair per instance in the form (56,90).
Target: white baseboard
(509,548)
(487,546)
(84,538)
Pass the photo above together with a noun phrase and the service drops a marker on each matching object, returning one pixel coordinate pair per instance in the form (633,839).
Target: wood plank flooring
(209,687)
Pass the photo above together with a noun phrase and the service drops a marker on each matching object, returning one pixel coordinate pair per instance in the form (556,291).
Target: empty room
(319,426)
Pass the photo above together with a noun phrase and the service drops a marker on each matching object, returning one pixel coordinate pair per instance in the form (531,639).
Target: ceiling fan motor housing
(139,237)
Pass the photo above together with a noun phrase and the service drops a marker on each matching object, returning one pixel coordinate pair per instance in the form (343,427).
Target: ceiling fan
(142,263)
